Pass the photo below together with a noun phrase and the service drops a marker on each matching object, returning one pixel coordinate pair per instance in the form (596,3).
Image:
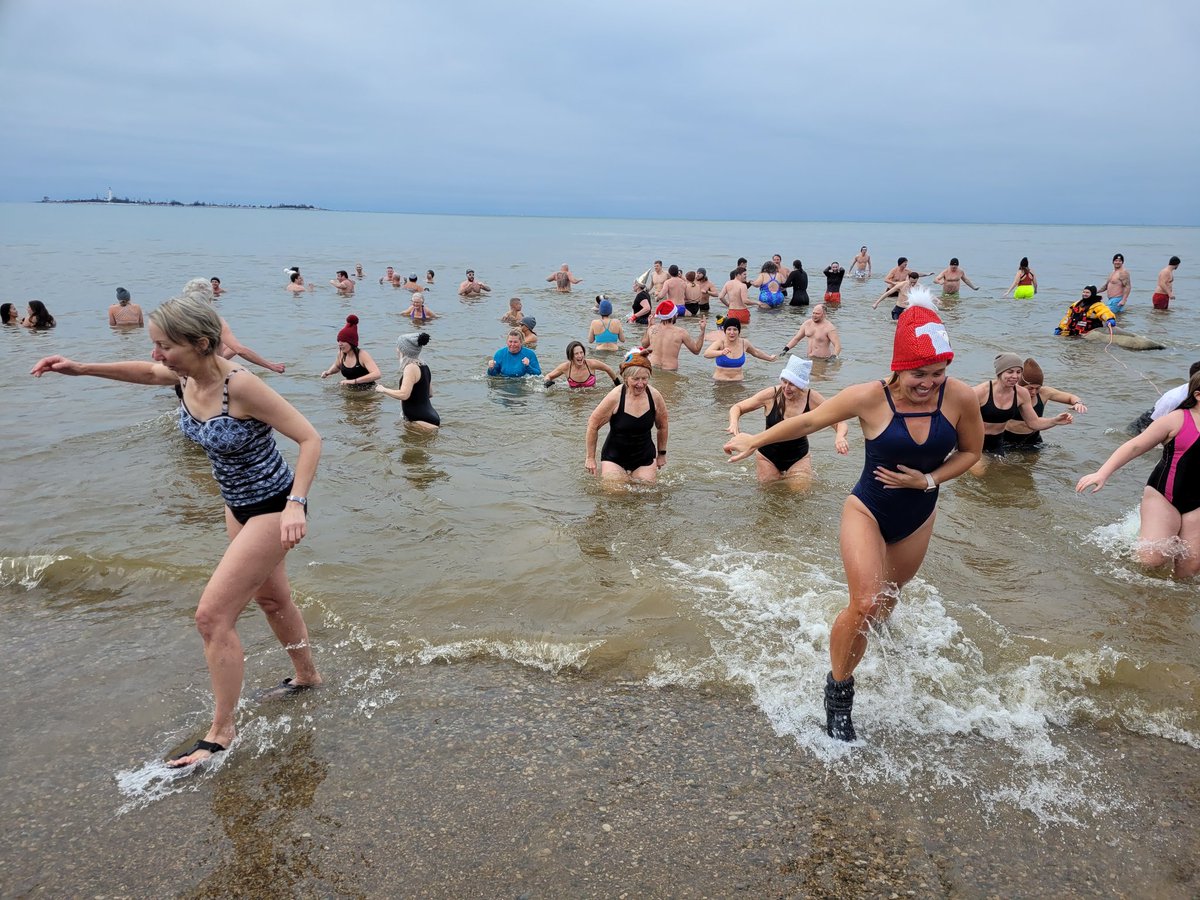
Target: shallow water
(1030,623)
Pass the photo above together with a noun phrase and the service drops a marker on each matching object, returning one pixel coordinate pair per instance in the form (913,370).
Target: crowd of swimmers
(921,428)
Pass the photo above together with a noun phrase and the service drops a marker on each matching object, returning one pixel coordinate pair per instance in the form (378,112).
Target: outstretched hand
(59,364)
(1095,481)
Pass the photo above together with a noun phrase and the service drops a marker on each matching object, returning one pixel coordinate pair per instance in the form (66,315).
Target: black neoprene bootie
(839,701)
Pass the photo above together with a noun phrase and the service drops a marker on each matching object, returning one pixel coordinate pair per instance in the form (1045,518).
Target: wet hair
(913,276)
(571,349)
(673,270)
(954,260)
(734,274)
(44,319)
(429,273)
(902,260)
(214,278)
(731,322)
(295,277)
(1193,386)
(343,273)
(7,311)
(1024,263)
(742,261)
(189,320)
(1173,261)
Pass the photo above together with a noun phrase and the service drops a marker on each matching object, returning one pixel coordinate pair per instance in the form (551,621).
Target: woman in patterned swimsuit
(1171,498)
(232,415)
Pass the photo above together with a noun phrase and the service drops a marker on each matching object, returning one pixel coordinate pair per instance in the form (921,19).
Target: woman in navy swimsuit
(1171,498)
(922,429)
(232,416)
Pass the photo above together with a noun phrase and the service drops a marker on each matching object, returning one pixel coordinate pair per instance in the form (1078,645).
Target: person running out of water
(1164,288)
(834,274)
(791,397)
(666,339)
(730,350)
(563,279)
(770,289)
(1087,314)
(201,290)
(417,310)
(822,336)
(1002,400)
(579,369)
(605,332)
(416,384)
(922,429)
(1118,287)
(1170,510)
(860,266)
(952,278)
(232,415)
(124,312)
(514,359)
(1016,432)
(797,283)
(1024,284)
(358,369)
(631,411)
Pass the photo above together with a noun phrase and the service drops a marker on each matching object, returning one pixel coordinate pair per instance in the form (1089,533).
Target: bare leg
(274,598)
(254,552)
(1160,523)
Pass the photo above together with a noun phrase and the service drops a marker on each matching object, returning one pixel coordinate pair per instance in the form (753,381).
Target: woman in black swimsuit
(416,384)
(357,368)
(1002,400)
(631,411)
(793,397)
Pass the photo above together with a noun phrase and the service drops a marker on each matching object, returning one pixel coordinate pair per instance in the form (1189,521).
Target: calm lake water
(1029,624)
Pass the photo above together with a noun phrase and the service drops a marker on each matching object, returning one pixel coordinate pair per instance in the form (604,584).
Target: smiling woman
(922,429)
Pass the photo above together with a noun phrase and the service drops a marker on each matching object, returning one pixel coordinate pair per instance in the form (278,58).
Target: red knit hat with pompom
(921,338)
(349,332)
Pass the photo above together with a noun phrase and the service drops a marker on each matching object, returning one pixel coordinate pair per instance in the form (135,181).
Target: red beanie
(349,332)
(921,338)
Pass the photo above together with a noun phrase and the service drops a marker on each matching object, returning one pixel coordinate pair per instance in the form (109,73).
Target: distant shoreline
(125,201)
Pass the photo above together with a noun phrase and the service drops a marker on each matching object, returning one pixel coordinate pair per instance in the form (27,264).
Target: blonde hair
(188,320)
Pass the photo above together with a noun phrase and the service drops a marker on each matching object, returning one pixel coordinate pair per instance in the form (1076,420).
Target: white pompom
(921,296)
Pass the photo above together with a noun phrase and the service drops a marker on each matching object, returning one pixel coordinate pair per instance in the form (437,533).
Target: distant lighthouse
(108,199)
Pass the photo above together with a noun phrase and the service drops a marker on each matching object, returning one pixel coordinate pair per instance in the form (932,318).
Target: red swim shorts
(833,297)
(742,315)
(1160,301)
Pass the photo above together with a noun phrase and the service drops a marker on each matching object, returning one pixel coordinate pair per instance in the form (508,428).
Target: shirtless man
(563,279)
(358,272)
(823,340)
(658,277)
(783,271)
(343,283)
(898,273)
(951,279)
(1164,290)
(471,287)
(736,296)
(515,313)
(389,276)
(1118,287)
(295,284)
(411,285)
(665,339)
(216,286)
(860,267)
(900,292)
(674,288)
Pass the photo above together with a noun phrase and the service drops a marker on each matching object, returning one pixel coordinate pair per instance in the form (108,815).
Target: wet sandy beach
(488,780)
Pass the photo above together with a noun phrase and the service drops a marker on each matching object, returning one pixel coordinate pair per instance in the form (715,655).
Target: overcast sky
(1047,111)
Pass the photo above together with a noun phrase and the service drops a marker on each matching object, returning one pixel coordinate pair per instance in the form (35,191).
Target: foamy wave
(26,571)
(543,655)
(924,687)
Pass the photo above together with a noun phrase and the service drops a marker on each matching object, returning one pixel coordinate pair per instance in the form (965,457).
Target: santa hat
(666,310)
(921,338)
(349,332)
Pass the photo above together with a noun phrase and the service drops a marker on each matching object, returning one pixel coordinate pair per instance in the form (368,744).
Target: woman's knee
(212,618)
